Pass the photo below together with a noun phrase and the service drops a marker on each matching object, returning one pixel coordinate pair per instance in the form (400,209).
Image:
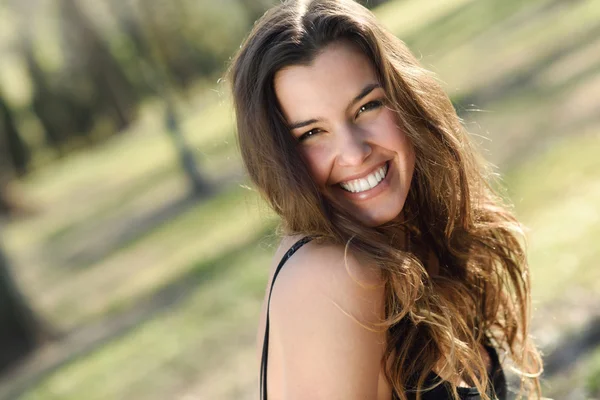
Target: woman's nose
(353,149)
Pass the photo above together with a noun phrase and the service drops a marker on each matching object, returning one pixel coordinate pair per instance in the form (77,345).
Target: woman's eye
(369,106)
(308,134)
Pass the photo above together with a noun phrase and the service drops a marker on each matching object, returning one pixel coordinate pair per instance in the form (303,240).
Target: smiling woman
(404,272)
(349,138)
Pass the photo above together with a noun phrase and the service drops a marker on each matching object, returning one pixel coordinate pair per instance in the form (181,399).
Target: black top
(497,381)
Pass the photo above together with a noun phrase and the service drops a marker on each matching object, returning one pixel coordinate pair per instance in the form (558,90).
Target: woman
(404,272)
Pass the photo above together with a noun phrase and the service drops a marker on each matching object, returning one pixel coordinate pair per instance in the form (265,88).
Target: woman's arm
(317,310)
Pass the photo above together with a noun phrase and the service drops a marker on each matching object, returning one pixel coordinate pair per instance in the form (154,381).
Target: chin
(378,219)
(377,213)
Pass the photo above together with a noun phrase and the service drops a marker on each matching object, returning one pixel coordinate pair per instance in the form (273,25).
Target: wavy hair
(482,292)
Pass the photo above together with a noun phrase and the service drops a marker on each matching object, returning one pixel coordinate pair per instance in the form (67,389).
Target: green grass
(162,255)
(593,373)
(181,347)
(485,41)
(131,172)
(557,195)
(408,16)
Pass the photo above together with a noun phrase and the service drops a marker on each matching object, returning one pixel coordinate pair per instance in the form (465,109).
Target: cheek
(388,134)
(405,147)
(318,161)
(406,154)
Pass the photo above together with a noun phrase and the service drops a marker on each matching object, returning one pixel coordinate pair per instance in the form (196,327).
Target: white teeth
(366,183)
(373,180)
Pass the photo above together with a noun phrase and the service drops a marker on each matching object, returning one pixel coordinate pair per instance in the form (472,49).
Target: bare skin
(276,370)
(283,386)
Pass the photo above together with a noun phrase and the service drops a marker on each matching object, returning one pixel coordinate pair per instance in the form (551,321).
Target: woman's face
(351,142)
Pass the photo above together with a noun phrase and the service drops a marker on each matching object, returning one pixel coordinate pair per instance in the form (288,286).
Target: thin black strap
(265,352)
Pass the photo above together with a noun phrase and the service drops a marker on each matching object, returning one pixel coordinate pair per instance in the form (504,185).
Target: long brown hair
(481,293)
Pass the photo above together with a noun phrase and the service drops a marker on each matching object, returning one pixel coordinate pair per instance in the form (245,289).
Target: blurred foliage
(74,72)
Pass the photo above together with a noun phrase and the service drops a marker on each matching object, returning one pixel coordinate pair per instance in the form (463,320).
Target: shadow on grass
(470,20)
(530,142)
(89,245)
(82,341)
(132,190)
(524,80)
(118,234)
(572,348)
(524,84)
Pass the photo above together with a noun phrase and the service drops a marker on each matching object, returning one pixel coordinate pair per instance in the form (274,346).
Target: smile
(367,183)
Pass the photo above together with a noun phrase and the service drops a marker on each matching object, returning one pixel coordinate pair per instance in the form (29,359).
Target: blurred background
(133,253)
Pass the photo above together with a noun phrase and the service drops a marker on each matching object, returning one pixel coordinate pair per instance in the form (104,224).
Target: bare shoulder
(333,272)
(325,261)
(324,305)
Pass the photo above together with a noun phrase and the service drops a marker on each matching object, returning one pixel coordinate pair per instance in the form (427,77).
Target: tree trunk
(6,171)
(200,186)
(19,332)
(90,55)
(51,113)
(127,21)
(160,81)
(16,147)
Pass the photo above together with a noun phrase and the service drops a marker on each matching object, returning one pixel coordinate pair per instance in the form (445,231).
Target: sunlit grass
(177,348)
(163,255)
(504,41)
(127,177)
(142,158)
(405,17)
(557,195)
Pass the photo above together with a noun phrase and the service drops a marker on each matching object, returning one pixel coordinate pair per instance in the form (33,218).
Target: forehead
(338,73)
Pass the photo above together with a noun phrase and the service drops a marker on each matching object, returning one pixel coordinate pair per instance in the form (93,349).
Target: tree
(59,110)
(7,165)
(19,331)
(53,116)
(160,81)
(91,60)
(18,152)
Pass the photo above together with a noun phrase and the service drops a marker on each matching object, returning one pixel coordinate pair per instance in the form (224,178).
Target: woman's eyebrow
(363,93)
(301,124)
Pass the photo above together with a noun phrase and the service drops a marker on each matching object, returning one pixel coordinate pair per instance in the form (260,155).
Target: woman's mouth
(368,182)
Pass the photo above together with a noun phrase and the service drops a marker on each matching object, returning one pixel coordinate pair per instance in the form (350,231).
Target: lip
(369,194)
(363,174)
